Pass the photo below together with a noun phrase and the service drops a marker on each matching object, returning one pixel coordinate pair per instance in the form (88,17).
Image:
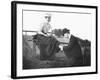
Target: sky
(79,24)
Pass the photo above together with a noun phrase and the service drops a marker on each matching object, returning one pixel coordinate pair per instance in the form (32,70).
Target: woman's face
(66,35)
(48,18)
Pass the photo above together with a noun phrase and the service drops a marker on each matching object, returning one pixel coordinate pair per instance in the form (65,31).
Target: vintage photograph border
(14,38)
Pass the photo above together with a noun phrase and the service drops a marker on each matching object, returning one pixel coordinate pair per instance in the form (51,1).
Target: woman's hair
(65,30)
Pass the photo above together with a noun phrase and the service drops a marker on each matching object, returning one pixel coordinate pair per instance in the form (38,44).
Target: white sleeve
(50,29)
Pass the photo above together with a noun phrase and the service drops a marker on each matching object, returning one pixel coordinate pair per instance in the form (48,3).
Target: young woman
(47,44)
(73,50)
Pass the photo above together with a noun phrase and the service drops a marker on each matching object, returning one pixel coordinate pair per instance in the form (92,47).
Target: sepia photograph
(53,39)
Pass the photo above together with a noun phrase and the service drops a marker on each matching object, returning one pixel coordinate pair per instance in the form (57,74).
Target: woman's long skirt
(48,46)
